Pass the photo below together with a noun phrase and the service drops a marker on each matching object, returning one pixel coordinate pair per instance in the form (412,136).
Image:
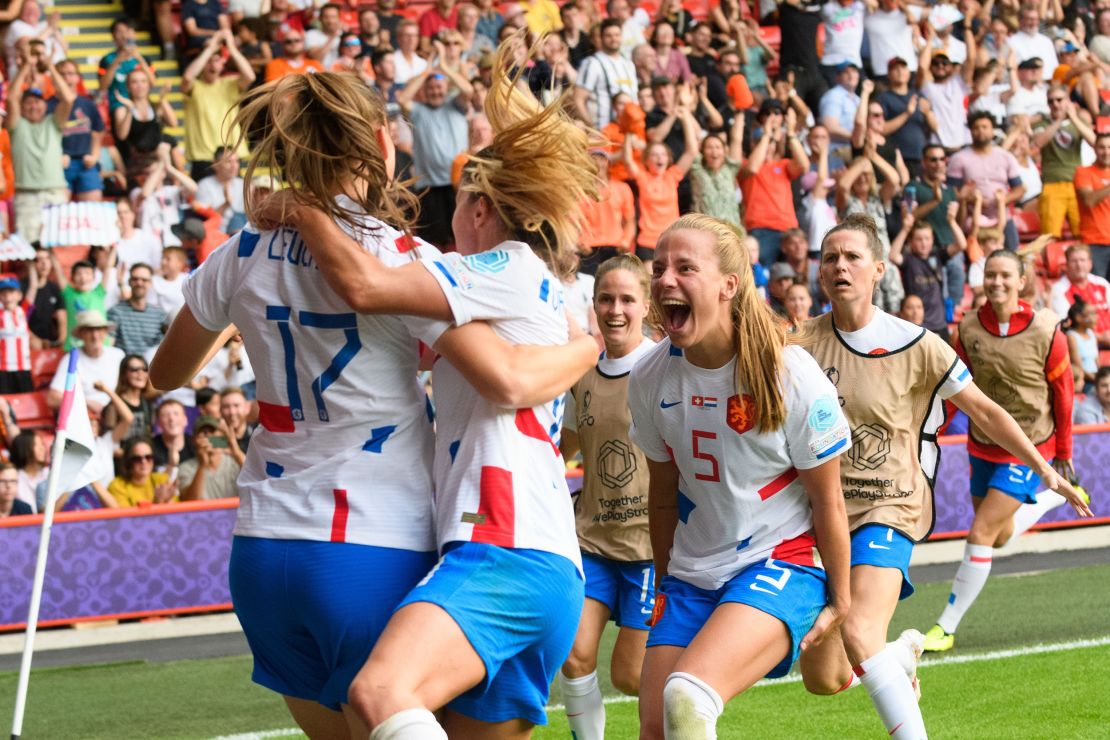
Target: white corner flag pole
(36,590)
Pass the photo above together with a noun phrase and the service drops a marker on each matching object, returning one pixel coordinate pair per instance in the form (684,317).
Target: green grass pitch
(1059,694)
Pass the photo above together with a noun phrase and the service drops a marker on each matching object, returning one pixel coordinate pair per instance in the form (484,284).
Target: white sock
(410,724)
(1029,514)
(889,688)
(585,710)
(851,684)
(690,708)
(970,579)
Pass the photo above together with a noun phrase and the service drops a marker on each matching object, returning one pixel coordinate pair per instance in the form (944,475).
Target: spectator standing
(389,19)
(137,326)
(222,191)
(442,15)
(135,245)
(700,54)
(139,123)
(670,61)
(474,44)
(117,64)
(603,76)
(634,23)
(839,105)
(140,484)
(47,320)
(608,223)
(37,148)
(909,116)
(1092,188)
(661,122)
(10,505)
(439,134)
(95,362)
(777,160)
(29,456)
(211,99)
(489,20)
(83,293)
(200,21)
(891,32)
(407,62)
(714,172)
(1078,284)
(946,90)
(843,21)
(1060,142)
(293,59)
(15,339)
(212,473)
(81,138)
(1029,42)
(755,55)
(930,198)
(575,34)
(369,32)
(798,21)
(131,391)
(988,169)
(323,44)
(1028,95)
(919,276)
(795,252)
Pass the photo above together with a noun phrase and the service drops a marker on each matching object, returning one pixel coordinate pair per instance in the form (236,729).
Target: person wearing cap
(439,132)
(95,362)
(843,22)
(37,147)
(1027,96)
(945,90)
(15,338)
(212,99)
(782,277)
(1060,141)
(212,473)
(1083,75)
(908,116)
(602,77)
(198,237)
(837,111)
(1028,42)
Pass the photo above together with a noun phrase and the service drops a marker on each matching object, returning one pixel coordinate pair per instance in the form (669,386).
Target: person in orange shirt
(7,172)
(292,59)
(1092,188)
(630,120)
(657,180)
(480,134)
(765,179)
(608,223)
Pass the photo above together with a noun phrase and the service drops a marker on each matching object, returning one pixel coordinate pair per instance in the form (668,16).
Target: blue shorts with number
(519,609)
(1014,480)
(793,594)
(884,547)
(312,611)
(627,589)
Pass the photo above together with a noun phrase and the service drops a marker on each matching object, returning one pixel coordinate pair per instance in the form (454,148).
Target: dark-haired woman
(29,454)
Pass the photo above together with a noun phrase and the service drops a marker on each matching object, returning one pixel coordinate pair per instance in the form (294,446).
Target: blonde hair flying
(318,135)
(537,170)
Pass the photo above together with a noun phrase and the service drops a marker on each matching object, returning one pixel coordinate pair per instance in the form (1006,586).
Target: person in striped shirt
(15,339)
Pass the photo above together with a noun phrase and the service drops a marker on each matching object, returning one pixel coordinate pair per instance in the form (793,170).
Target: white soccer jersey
(343,452)
(500,478)
(739,498)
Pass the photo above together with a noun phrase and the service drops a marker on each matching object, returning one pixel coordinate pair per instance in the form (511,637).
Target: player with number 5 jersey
(483,635)
(335,524)
(743,436)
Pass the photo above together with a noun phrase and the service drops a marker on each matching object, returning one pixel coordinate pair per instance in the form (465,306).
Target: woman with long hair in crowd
(1020,358)
(485,646)
(611,511)
(138,124)
(138,483)
(892,378)
(742,436)
(29,455)
(132,390)
(335,521)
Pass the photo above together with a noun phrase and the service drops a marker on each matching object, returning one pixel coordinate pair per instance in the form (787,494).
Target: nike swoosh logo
(665,405)
(873,546)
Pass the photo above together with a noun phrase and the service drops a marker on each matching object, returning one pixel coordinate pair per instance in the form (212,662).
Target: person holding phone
(213,472)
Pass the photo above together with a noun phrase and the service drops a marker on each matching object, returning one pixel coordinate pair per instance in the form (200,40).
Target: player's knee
(690,707)
(821,683)
(862,635)
(626,679)
(580,662)
(374,696)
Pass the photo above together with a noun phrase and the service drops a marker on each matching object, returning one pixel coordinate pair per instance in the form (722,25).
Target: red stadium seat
(1052,260)
(1028,224)
(44,362)
(31,411)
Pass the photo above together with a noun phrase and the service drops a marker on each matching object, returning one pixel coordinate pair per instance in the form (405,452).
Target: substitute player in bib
(611,513)
(892,378)
(486,631)
(1020,358)
(335,522)
(743,491)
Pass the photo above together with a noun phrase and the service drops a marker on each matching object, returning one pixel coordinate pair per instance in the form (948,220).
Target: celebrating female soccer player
(611,514)
(1021,358)
(488,628)
(891,377)
(335,522)
(742,437)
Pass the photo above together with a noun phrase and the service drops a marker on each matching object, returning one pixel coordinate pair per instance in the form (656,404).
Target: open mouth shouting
(675,312)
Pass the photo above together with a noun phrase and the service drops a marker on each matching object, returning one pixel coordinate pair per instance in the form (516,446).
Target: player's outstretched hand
(1057,482)
(276,209)
(827,621)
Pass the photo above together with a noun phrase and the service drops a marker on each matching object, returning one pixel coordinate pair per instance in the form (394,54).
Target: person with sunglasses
(1060,141)
(131,391)
(351,59)
(293,59)
(139,483)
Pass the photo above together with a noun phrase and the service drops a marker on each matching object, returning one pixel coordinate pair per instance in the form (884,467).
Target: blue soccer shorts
(312,611)
(793,594)
(884,547)
(1014,480)
(519,609)
(627,589)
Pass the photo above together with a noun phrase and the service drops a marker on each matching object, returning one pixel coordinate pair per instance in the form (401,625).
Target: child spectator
(135,246)
(169,284)
(989,241)
(28,455)
(15,339)
(1083,345)
(82,294)
(919,276)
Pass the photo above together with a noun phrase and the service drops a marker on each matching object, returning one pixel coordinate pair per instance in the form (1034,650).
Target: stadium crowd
(960,128)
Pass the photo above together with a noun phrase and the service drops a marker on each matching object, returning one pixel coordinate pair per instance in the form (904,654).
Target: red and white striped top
(15,341)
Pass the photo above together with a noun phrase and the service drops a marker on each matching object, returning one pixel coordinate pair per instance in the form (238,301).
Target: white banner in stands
(16,248)
(70,224)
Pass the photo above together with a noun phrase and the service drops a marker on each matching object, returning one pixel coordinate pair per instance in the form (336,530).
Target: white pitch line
(1057,647)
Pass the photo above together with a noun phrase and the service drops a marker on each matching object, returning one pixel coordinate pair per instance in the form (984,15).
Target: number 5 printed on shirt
(345,322)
